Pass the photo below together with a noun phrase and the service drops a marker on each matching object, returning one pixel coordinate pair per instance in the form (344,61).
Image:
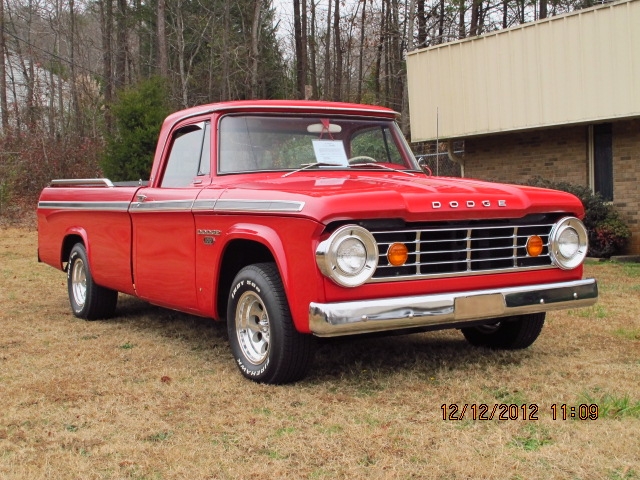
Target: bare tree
(121,44)
(337,82)
(255,38)
(163,57)
(3,74)
(313,52)
(543,9)
(363,19)
(300,62)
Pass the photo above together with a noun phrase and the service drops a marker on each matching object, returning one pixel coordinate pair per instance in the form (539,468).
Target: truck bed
(95,211)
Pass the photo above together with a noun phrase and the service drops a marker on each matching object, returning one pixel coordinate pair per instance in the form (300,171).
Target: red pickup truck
(293,219)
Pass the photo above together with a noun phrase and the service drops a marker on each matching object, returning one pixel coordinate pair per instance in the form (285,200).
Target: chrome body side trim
(96,206)
(204,205)
(266,206)
(162,206)
(142,206)
(441,310)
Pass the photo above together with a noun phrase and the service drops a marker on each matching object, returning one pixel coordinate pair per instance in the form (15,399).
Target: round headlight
(349,256)
(568,243)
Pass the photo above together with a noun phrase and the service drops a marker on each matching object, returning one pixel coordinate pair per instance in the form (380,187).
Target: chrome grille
(453,250)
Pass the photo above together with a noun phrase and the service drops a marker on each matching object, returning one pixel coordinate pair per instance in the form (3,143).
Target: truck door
(163,224)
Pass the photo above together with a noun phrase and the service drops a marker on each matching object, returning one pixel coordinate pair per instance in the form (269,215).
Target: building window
(601,160)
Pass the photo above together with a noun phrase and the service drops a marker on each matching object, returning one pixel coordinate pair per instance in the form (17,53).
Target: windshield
(258,143)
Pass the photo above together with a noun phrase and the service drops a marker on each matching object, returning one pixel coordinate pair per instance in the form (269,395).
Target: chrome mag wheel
(253,328)
(79,282)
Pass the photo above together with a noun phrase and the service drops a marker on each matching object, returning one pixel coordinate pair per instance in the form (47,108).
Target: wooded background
(66,63)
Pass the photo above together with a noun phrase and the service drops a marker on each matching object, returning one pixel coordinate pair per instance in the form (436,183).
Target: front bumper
(447,309)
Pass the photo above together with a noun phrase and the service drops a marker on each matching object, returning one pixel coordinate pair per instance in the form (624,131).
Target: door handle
(141,198)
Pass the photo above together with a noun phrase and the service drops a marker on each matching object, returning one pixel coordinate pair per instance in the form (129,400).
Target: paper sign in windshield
(330,151)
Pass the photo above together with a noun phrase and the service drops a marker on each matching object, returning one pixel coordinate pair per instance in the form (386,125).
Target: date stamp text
(505,412)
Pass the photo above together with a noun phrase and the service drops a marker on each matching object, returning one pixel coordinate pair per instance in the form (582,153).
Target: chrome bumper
(366,316)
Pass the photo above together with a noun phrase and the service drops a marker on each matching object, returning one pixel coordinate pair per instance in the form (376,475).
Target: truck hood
(338,196)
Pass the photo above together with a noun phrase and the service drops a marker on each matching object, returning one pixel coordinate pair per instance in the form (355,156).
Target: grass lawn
(154,394)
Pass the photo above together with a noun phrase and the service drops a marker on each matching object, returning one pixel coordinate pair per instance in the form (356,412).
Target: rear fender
(71,236)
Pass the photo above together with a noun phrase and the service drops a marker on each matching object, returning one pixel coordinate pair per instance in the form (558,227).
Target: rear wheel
(265,344)
(88,300)
(510,333)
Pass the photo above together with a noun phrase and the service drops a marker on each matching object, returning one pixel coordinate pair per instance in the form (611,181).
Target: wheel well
(238,254)
(67,245)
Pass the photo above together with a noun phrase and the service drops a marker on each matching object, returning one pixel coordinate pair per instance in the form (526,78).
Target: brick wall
(557,155)
(626,165)
(561,154)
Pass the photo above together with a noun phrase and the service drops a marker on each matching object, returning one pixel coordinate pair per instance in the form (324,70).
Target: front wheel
(510,333)
(88,300)
(265,344)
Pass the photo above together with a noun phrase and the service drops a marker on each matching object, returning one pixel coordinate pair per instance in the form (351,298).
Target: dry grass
(154,394)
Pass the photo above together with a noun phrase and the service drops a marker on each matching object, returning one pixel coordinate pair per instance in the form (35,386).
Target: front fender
(291,244)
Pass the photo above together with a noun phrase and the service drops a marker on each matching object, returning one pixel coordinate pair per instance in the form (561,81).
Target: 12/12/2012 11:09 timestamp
(503,411)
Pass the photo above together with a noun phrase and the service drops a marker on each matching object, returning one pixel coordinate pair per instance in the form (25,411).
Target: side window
(189,156)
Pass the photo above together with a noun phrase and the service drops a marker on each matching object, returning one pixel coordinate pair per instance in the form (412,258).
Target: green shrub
(138,114)
(608,234)
(611,237)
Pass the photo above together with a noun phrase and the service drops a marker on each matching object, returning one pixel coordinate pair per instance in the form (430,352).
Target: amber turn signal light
(534,246)
(397,254)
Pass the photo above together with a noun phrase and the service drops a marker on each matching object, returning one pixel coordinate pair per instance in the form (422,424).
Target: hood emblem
(469,204)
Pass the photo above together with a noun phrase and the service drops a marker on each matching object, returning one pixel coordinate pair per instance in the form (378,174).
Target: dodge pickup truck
(293,220)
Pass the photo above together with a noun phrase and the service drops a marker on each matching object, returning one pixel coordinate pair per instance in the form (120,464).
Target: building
(558,98)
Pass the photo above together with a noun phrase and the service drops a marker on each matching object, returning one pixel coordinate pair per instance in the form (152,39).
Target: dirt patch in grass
(154,394)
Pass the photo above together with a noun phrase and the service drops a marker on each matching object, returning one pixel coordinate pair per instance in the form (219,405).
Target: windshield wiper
(312,165)
(384,167)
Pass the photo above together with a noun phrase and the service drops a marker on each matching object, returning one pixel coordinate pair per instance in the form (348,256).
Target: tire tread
(514,333)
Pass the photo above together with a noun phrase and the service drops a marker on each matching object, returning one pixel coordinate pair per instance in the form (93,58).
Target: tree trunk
(404,119)
(461,25)
(106,24)
(121,47)
(376,80)
(75,99)
(363,27)
(313,71)
(3,75)
(163,57)
(440,24)
(475,14)
(255,38)
(543,9)
(305,43)
(181,47)
(226,20)
(337,83)
(505,13)
(297,27)
(422,24)
(327,56)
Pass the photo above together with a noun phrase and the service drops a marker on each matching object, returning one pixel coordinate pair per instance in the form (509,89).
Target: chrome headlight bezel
(331,253)
(564,230)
